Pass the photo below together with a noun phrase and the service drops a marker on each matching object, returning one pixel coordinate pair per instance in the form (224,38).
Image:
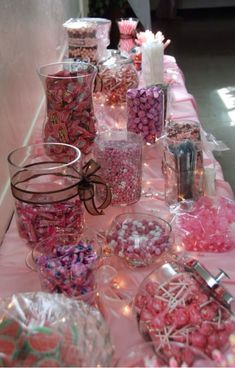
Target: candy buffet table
(116,303)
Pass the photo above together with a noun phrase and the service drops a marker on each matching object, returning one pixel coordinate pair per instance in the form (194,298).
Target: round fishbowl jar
(116,75)
(44,183)
(69,106)
(119,154)
(182,302)
(139,238)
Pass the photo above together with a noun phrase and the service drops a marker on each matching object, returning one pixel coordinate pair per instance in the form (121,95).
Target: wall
(31,35)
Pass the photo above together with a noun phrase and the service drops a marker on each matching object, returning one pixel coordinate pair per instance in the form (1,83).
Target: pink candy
(179,310)
(139,242)
(37,222)
(146,112)
(121,166)
(208,227)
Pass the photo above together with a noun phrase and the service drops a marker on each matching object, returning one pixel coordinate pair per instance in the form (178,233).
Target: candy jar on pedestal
(70,116)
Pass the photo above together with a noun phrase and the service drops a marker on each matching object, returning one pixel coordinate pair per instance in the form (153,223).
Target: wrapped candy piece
(146,112)
(208,226)
(50,330)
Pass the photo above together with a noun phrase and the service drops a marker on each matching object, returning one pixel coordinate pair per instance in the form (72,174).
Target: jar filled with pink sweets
(119,153)
(182,302)
(44,183)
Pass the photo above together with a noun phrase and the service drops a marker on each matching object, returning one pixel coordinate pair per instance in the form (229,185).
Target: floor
(203,44)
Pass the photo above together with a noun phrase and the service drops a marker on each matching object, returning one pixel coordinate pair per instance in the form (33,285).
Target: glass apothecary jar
(119,154)
(44,183)
(69,107)
(182,302)
(116,75)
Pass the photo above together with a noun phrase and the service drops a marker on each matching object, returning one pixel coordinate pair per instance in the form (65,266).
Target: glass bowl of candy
(139,238)
(178,303)
(67,263)
(49,330)
(148,354)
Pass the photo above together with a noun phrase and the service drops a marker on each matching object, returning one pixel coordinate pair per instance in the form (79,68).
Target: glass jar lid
(116,58)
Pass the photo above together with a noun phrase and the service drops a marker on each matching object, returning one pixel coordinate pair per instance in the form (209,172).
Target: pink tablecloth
(116,305)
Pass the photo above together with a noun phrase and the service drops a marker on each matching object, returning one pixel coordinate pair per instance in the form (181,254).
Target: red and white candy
(70,115)
(140,242)
(37,222)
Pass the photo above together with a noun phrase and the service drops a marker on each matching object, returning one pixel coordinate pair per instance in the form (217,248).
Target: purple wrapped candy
(69,269)
(145,108)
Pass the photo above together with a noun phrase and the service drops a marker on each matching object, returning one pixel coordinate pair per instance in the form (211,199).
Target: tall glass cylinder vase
(120,155)
(127,29)
(44,183)
(70,115)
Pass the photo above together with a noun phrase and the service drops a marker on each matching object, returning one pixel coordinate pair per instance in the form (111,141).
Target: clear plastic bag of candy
(207,225)
(45,330)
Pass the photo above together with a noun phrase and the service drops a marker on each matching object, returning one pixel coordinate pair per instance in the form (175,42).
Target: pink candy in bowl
(139,238)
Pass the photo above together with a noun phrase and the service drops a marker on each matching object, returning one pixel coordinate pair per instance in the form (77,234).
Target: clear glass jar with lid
(116,75)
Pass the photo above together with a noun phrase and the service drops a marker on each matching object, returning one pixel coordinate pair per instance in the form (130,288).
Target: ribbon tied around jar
(86,188)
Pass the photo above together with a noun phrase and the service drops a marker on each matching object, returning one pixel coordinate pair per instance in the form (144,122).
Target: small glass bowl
(67,263)
(139,238)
